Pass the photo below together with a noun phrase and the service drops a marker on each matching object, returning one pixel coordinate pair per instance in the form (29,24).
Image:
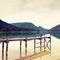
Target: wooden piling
(34,45)
(50,42)
(40,45)
(44,44)
(25,47)
(2,50)
(7,50)
(20,47)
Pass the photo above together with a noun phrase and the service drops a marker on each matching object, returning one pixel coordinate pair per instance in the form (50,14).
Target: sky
(45,13)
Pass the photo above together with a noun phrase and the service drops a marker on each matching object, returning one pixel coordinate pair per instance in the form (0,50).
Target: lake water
(14,51)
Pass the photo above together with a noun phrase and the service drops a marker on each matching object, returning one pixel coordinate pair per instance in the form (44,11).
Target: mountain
(55,31)
(26,25)
(56,28)
(6,27)
(23,27)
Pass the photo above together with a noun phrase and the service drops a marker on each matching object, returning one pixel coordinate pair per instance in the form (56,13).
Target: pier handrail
(22,39)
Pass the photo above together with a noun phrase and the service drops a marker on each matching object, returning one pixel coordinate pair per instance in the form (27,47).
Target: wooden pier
(45,44)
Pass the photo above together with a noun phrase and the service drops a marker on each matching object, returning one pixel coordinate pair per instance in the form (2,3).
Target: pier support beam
(2,50)
(25,47)
(40,45)
(50,42)
(7,50)
(44,43)
(34,45)
(20,47)
(50,45)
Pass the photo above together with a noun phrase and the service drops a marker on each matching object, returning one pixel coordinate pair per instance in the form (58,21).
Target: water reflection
(56,35)
(34,55)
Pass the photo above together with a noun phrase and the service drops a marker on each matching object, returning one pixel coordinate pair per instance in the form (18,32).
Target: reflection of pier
(35,55)
(43,41)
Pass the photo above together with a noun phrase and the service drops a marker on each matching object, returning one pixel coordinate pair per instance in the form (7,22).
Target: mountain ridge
(4,26)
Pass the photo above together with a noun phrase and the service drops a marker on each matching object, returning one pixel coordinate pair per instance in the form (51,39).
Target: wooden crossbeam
(22,39)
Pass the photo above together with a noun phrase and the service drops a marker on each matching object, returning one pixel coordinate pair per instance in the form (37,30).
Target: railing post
(44,42)
(34,45)
(50,41)
(26,47)
(3,50)
(40,44)
(7,50)
(20,47)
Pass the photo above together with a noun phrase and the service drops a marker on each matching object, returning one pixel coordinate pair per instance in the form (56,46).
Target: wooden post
(2,50)
(34,45)
(50,45)
(7,50)
(26,47)
(44,43)
(20,47)
(50,42)
(40,44)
